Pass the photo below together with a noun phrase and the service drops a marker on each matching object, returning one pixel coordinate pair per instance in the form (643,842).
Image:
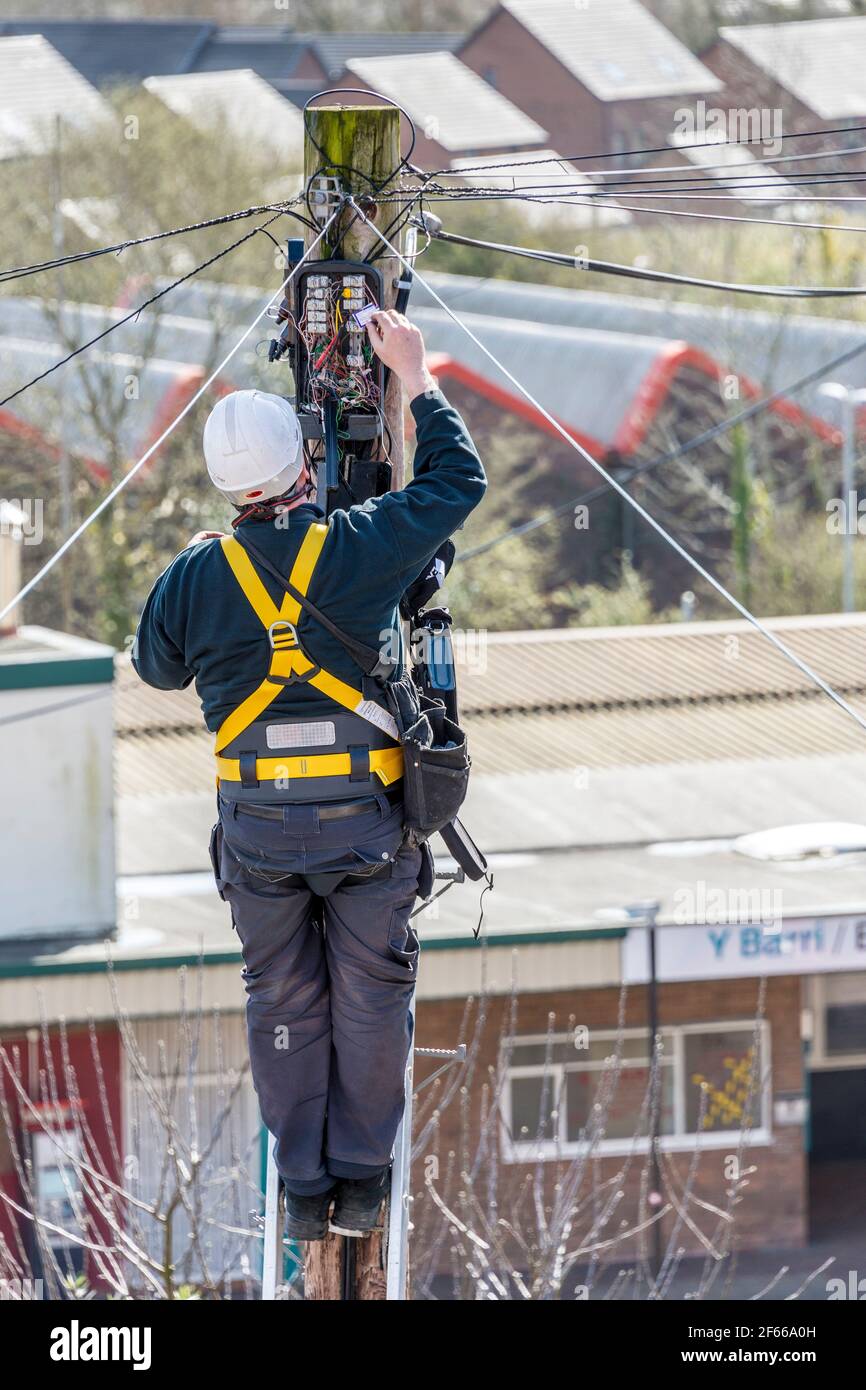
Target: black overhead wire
(644,183)
(133,313)
(663,277)
(559,194)
(770,159)
(733,182)
(182,413)
(766,167)
(482,195)
(581,197)
(659,188)
(21,271)
(697,441)
(654,149)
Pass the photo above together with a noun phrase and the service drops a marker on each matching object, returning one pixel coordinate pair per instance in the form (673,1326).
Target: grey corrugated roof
(38,85)
(605,669)
(769,349)
(29,343)
(449,102)
(104,51)
(588,379)
(538,888)
(819,61)
(335,50)
(617,49)
(61,407)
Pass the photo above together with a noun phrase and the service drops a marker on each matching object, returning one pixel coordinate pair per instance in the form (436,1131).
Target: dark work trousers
(322,911)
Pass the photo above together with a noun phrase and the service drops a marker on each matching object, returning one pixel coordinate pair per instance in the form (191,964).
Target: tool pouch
(436,761)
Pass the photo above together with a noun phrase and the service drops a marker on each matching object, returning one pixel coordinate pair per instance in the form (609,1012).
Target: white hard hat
(253,447)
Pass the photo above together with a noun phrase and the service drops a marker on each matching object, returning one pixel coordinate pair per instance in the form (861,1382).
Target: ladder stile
(272,1253)
(397,1270)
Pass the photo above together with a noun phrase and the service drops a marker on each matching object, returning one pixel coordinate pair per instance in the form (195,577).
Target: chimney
(12,523)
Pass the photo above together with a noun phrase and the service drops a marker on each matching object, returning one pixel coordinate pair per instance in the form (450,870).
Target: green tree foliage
(302,15)
(797,565)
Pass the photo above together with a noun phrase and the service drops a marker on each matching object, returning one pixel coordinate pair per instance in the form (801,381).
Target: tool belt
(408,736)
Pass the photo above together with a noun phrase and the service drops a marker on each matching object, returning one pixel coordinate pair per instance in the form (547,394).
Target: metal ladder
(396,1232)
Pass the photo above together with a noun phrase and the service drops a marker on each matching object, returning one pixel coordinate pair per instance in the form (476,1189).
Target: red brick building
(598,78)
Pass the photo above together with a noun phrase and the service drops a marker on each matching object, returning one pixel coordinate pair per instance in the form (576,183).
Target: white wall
(56,812)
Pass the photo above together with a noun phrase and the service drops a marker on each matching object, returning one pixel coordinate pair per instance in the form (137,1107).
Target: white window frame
(531,1150)
(819,1058)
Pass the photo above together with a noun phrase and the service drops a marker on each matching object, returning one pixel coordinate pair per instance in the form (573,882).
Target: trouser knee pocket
(402,939)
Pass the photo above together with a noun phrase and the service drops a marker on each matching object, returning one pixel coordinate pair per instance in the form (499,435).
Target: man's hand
(206,536)
(400,346)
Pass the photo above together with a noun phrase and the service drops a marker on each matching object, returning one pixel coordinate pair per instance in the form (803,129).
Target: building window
(712,1087)
(839,1005)
(845,1030)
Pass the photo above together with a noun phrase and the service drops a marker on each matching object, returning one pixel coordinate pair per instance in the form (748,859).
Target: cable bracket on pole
(325,196)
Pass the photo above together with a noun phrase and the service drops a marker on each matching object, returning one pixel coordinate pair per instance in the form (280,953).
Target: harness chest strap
(288,664)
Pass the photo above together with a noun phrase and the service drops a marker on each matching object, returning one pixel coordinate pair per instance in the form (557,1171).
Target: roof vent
(824,840)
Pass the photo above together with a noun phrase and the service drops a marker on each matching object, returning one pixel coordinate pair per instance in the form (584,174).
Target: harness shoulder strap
(372,662)
(254,590)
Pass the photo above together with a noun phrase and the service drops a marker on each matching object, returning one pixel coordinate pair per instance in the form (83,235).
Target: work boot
(307,1217)
(356,1209)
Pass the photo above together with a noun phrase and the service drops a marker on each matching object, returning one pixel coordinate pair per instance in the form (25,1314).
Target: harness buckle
(284,639)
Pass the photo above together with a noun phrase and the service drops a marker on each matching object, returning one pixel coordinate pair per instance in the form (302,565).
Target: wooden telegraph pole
(359,148)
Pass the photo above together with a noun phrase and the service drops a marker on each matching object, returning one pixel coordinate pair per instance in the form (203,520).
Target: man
(309,848)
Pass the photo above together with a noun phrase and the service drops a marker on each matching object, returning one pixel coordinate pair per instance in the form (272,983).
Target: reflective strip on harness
(386,763)
(289,664)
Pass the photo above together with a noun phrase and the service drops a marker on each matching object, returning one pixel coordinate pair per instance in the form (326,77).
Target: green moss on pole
(361,145)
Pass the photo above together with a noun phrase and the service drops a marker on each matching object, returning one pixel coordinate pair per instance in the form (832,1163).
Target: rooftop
(36,657)
(449,102)
(610,766)
(38,88)
(241,102)
(819,61)
(336,50)
(619,51)
(105,51)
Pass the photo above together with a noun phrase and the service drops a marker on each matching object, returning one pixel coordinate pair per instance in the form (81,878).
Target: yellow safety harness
(288,665)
